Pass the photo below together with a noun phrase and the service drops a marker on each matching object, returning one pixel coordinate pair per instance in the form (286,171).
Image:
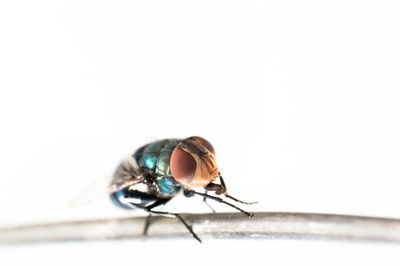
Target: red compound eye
(205,143)
(183,166)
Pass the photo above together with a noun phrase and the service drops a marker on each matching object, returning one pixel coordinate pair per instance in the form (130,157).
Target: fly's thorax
(155,156)
(193,163)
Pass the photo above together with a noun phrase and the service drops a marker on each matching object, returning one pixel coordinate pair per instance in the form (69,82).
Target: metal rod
(263,225)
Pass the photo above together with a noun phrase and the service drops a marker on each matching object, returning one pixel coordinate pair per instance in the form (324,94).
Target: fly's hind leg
(146,225)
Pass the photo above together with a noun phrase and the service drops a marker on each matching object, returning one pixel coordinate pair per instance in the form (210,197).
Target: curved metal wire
(264,225)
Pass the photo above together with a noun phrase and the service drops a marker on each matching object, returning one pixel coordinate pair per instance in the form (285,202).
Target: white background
(299,98)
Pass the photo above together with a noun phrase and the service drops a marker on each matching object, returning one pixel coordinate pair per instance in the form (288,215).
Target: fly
(157,171)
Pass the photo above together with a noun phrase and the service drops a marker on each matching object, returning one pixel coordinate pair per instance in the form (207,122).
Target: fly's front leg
(217,188)
(221,189)
(193,192)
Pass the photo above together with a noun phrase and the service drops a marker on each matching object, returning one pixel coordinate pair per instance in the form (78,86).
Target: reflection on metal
(264,225)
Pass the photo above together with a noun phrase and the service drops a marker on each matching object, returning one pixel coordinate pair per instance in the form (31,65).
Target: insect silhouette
(157,171)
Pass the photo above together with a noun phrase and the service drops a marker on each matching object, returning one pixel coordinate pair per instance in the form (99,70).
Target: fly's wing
(126,174)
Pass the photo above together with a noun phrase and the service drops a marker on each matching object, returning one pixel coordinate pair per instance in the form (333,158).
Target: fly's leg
(147,222)
(146,225)
(243,202)
(208,205)
(189,194)
(192,192)
(175,215)
(221,189)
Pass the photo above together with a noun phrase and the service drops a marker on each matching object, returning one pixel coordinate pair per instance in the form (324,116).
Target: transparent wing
(93,192)
(126,174)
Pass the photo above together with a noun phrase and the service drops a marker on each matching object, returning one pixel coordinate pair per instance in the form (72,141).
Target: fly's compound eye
(183,166)
(205,142)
